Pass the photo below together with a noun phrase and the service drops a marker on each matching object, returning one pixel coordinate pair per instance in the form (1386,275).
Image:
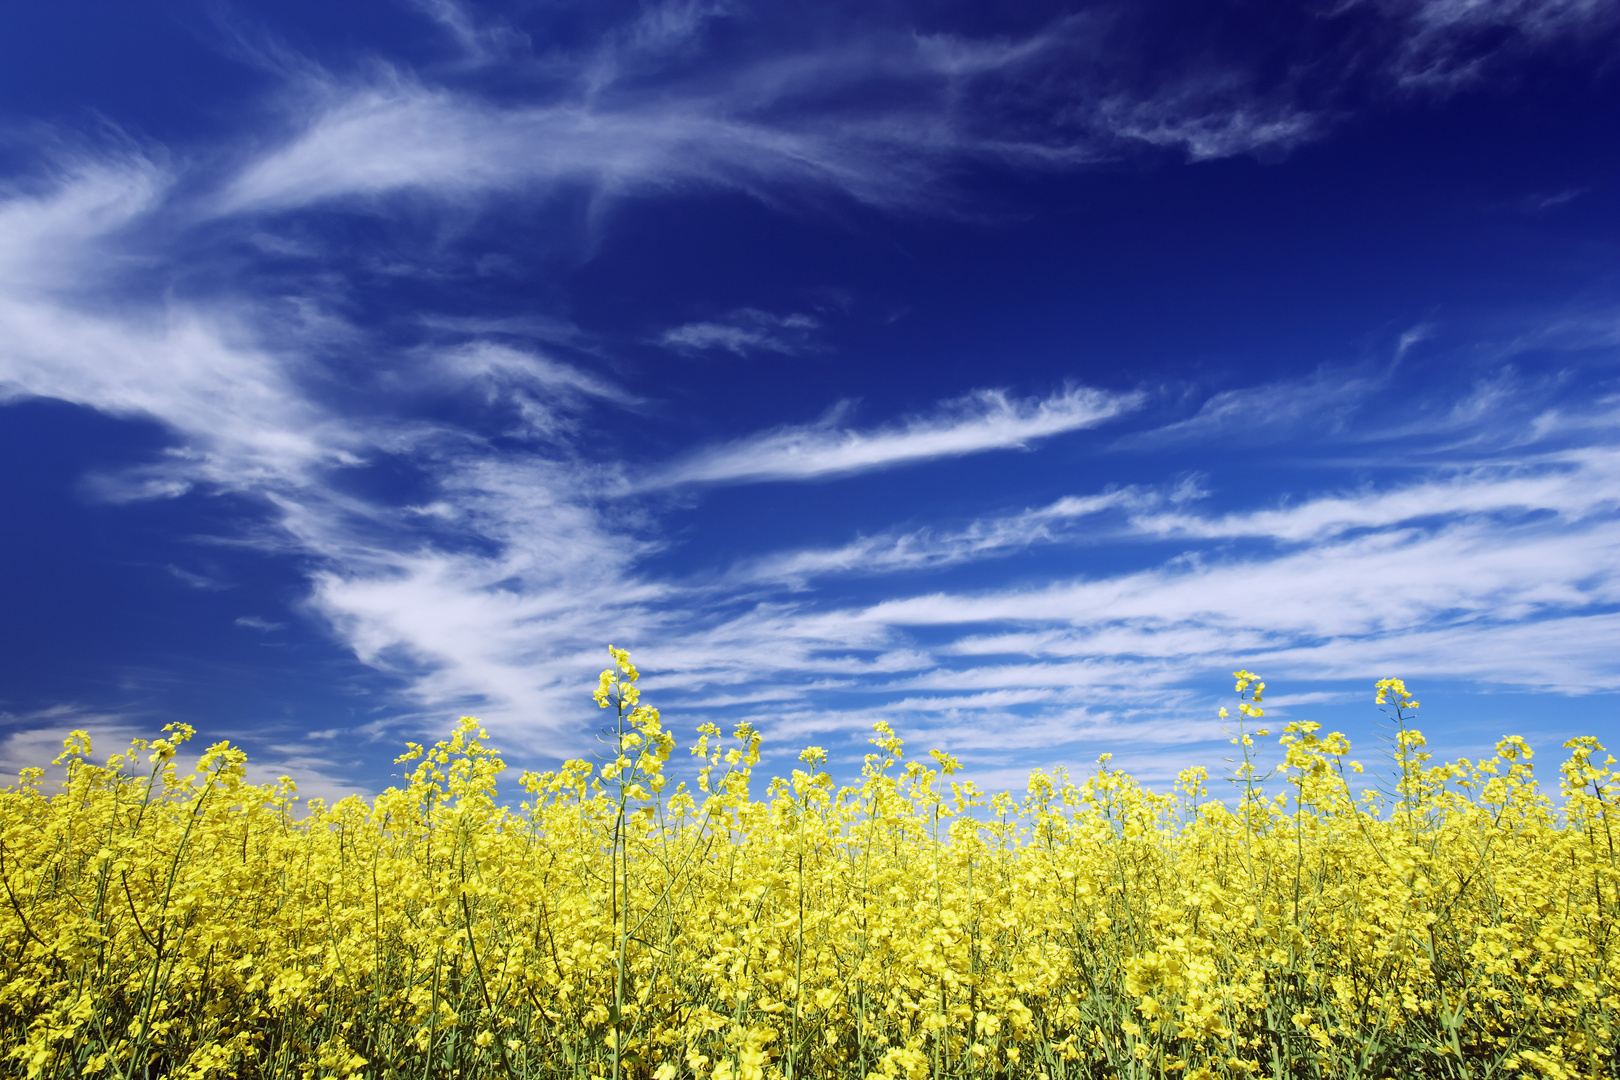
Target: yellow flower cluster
(1462,924)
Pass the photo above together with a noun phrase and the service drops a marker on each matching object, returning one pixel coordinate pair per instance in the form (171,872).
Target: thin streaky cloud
(403,136)
(502,364)
(1327,401)
(464,627)
(65,222)
(1431,591)
(33,739)
(198,581)
(496,586)
(744,331)
(1128,631)
(1575,485)
(792,123)
(928,548)
(1449,44)
(481,40)
(1197,120)
(1573,654)
(985,420)
(258,622)
(69,331)
(1354,585)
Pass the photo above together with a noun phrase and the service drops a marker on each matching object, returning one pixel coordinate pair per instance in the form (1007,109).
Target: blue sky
(1010,376)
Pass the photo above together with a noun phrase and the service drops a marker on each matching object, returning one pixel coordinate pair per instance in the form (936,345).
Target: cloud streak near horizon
(481,478)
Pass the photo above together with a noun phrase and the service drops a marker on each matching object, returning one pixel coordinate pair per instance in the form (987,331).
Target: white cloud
(1493,571)
(876,114)
(498,589)
(1451,43)
(259,622)
(928,548)
(503,625)
(744,331)
(1354,586)
(400,135)
(36,740)
(1535,18)
(1497,574)
(549,395)
(986,420)
(67,331)
(198,581)
(499,363)
(480,39)
(795,123)
(246,415)
(1326,402)
(56,228)
(1209,120)
(1575,485)
(1571,653)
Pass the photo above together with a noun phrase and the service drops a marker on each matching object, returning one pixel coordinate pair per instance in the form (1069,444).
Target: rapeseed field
(1459,924)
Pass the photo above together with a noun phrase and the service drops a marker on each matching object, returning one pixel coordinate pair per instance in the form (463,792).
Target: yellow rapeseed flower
(635,918)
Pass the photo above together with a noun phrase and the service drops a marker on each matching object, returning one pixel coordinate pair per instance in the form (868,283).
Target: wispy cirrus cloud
(72,328)
(1452,43)
(480,38)
(35,739)
(1327,401)
(931,548)
(880,115)
(530,567)
(400,135)
(503,364)
(1349,587)
(744,331)
(1495,571)
(986,420)
(494,586)
(652,109)
(477,593)
(1576,485)
(260,623)
(1107,662)
(531,577)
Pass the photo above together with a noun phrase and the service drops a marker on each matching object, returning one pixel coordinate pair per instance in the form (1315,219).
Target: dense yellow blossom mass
(155,923)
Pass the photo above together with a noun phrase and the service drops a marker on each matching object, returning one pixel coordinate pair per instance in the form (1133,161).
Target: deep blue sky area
(1010,376)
